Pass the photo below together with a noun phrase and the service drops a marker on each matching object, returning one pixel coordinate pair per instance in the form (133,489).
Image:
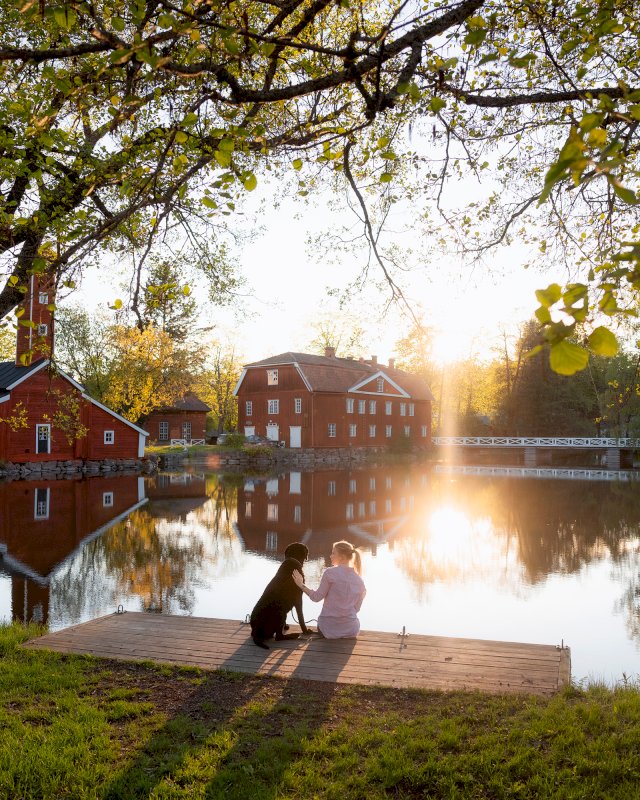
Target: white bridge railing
(529,441)
(187,442)
(540,472)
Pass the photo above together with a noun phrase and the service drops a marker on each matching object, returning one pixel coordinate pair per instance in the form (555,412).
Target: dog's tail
(260,643)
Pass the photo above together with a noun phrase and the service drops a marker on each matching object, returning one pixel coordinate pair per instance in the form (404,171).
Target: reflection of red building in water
(366,507)
(175,494)
(323,401)
(44,523)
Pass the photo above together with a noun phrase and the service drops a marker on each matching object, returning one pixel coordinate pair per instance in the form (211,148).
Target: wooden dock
(383,659)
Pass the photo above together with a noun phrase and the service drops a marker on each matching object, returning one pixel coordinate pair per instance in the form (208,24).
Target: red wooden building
(35,399)
(324,401)
(186,419)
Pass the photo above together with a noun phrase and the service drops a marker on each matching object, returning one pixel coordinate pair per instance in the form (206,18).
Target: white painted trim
(31,370)
(303,376)
(46,425)
(374,377)
(141,445)
(4,398)
(240,379)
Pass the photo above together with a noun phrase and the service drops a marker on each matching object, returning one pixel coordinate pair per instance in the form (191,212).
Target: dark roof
(340,374)
(187,403)
(10,372)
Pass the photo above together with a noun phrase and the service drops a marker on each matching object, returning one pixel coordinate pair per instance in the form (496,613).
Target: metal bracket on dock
(120,609)
(561,645)
(403,635)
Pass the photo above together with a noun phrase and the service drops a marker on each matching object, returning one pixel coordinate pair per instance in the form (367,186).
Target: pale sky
(287,289)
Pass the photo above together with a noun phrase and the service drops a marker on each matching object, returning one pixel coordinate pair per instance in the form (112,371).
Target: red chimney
(35,325)
(392,363)
(329,352)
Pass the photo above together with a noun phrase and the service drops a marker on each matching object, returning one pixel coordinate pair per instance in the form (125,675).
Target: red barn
(186,419)
(323,401)
(41,407)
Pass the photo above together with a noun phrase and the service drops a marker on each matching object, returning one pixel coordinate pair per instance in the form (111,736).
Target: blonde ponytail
(352,553)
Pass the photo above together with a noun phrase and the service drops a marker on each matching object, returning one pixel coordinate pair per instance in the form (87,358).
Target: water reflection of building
(366,507)
(44,523)
(175,494)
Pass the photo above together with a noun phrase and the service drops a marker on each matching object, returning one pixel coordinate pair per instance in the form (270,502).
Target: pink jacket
(343,591)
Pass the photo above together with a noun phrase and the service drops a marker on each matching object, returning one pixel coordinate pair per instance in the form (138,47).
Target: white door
(295,436)
(273,432)
(249,430)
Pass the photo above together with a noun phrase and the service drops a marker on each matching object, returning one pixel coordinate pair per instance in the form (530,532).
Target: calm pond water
(496,554)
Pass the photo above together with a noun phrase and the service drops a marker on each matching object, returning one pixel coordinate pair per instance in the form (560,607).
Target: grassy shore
(75,727)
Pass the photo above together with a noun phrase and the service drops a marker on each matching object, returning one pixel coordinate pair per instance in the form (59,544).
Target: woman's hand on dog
(298,579)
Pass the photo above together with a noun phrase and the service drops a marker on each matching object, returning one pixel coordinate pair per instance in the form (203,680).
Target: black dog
(269,616)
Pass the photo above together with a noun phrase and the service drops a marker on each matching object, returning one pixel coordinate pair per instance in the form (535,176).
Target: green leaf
(117,304)
(475,37)
(118,24)
(386,177)
(627,195)
(436,104)
(223,158)
(297,163)
(250,182)
(226,145)
(603,342)
(547,297)
(181,137)
(543,315)
(567,358)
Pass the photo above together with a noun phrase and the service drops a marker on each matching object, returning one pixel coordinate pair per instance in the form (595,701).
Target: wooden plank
(375,658)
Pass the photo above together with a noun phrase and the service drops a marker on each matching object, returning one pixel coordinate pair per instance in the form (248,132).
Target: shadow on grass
(237,735)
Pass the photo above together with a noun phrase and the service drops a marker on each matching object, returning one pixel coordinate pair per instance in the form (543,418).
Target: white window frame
(331,430)
(272,377)
(388,408)
(43,329)
(271,541)
(372,406)
(109,437)
(372,431)
(350,404)
(273,406)
(403,409)
(163,425)
(387,506)
(353,431)
(43,298)
(353,485)
(412,410)
(107,499)
(362,406)
(362,511)
(297,514)
(186,429)
(372,484)
(380,384)
(248,408)
(48,439)
(407,431)
(388,431)
(423,431)
(297,405)
(372,508)
(247,508)
(272,512)
(331,489)
(41,507)
(349,511)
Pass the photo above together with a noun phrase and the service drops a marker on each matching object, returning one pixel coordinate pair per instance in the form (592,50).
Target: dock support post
(530,457)
(613,458)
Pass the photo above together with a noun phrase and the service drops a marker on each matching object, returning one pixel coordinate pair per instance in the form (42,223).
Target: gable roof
(11,375)
(189,402)
(322,374)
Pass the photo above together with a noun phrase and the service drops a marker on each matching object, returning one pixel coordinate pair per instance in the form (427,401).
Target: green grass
(76,727)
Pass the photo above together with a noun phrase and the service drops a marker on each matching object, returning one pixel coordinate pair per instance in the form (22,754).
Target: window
(407,431)
(387,431)
(423,431)
(272,512)
(163,431)
(387,506)
(372,406)
(273,406)
(298,405)
(412,410)
(361,510)
(350,402)
(353,486)
(403,409)
(380,384)
(362,406)
(272,377)
(331,488)
(388,482)
(42,330)
(297,513)
(372,431)
(331,430)
(186,430)
(109,437)
(247,508)
(43,438)
(248,408)
(43,299)
(387,408)
(372,484)
(353,430)
(349,511)
(272,486)
(107,499)
(272,541)
(372,508)
(41,505)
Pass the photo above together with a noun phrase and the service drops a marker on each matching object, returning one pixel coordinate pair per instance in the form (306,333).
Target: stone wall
(49,470)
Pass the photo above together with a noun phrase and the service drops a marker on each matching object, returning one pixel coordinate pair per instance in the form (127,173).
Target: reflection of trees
(152,559)
(628,571)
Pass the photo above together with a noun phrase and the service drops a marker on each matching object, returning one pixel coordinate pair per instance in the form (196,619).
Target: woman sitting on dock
(343,591)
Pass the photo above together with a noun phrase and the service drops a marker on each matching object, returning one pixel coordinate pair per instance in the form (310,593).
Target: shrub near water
(76,727)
